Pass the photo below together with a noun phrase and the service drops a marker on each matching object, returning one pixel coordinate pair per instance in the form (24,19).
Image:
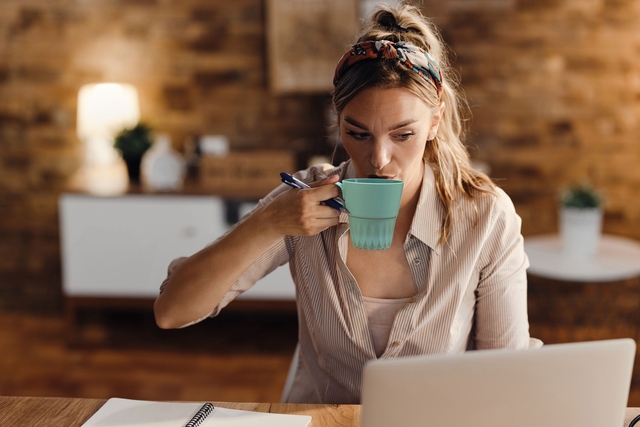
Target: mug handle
(340,199)
(339,185)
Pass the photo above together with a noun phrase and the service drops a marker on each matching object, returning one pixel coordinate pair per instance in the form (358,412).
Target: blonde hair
(446,153)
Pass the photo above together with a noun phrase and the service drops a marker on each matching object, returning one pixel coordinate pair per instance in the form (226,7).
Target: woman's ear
(435,122)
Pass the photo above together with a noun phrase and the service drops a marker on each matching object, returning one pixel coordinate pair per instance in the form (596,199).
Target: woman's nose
(380,154)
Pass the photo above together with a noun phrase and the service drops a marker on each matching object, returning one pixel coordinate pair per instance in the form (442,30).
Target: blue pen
(292,181)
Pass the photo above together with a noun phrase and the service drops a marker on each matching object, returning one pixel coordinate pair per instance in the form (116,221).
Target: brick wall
(554,88)
(199,67)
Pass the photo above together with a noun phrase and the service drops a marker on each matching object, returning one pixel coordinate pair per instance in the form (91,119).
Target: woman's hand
(299,212)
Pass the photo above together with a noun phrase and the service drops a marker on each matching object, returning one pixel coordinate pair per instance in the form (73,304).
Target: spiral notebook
(138,413)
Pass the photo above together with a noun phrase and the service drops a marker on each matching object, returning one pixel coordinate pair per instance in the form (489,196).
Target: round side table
(617,258)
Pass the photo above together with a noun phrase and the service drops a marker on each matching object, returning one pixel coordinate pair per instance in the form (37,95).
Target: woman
(454,277)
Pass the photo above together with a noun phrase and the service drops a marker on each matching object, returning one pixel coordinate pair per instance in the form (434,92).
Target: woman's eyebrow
(403,124)
(356,123)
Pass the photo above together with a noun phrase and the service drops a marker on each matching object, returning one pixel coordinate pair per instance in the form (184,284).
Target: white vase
(580,231)
(162,168)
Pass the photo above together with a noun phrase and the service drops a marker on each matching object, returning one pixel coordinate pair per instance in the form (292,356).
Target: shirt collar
(429,215)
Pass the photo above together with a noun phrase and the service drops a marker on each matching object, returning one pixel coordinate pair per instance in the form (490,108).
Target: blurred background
(553,86)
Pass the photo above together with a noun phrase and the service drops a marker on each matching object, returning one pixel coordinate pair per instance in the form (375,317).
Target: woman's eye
(357,135)
(405,136)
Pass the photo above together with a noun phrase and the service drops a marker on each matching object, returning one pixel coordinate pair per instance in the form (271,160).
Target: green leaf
(133,142)
(581,196)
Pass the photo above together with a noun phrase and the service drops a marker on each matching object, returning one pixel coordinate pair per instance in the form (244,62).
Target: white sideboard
(120,247)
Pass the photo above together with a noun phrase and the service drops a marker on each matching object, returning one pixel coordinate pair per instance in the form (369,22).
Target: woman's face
(385,132)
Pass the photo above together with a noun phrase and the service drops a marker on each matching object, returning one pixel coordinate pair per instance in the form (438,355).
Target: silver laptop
(577,384)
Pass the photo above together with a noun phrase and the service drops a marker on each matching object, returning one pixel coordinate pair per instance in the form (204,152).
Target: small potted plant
(580,220)
(132,143)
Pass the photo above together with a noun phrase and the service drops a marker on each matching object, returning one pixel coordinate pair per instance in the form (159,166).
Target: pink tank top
(380,315)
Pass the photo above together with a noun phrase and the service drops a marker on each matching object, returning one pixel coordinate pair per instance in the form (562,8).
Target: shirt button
(395,343)
(416,261)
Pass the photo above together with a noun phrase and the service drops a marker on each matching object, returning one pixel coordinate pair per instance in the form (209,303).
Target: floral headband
(411,56)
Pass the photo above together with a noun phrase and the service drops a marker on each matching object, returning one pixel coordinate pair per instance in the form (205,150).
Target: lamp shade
(104,109)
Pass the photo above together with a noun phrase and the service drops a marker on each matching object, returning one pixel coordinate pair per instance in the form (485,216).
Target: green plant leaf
(133,142)
(581,196)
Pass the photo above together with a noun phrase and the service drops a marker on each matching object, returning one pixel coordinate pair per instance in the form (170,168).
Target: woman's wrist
(260,224)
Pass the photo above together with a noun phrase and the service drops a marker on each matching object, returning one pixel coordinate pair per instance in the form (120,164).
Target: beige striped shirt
(470,293)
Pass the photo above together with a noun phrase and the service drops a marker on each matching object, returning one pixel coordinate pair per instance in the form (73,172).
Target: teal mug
(373,204)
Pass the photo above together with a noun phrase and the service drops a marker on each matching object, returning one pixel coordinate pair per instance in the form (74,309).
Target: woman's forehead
(391,105)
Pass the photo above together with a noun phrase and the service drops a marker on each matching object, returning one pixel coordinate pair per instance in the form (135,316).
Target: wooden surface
(236,357)
(80,184)
(73,412)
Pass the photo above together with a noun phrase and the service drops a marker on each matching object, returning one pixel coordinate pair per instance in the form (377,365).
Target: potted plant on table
(580,220)
(132,143)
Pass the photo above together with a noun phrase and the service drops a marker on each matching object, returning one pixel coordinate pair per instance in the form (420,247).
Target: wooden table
(73,412)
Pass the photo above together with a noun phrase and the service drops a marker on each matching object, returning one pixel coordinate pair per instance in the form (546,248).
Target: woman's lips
(379,177)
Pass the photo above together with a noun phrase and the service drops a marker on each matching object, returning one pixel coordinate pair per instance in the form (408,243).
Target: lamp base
(108,179)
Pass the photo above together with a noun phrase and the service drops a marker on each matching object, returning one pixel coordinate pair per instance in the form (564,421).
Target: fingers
(299,212)
(324,189)
(326,181)
(299,221)
(312,217)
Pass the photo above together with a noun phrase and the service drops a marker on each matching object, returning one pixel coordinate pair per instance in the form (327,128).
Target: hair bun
(387,20)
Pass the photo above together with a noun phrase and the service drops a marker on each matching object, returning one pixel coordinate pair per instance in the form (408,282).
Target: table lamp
(104,109)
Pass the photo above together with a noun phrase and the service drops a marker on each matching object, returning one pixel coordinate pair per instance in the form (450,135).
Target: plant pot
(133,167)
(580,231)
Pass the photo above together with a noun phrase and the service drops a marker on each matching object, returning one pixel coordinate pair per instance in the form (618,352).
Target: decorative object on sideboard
(104,109)
(162,168)
(199,145)
(215,145)
(132,143)
(304,41)
(580,220)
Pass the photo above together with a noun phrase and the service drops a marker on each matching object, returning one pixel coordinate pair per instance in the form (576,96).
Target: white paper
(139,413)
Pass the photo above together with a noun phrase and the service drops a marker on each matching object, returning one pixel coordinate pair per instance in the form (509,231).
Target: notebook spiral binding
(201,415)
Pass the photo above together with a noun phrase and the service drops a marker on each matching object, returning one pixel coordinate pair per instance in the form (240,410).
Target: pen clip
(292,181)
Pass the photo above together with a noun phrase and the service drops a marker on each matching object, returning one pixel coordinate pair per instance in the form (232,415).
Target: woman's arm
(501,319)
(198,284)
